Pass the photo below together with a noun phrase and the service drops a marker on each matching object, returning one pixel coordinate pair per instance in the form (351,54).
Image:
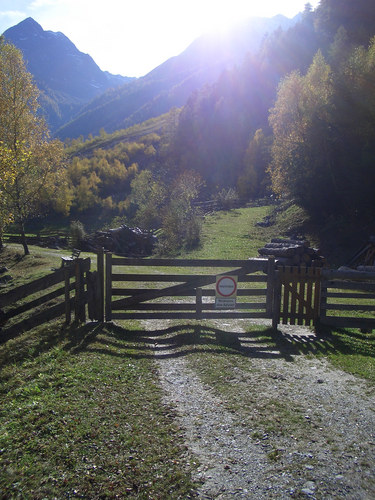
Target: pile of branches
(293,252)
(124,240)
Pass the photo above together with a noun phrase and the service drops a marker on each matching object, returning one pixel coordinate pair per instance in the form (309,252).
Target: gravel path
(335,458)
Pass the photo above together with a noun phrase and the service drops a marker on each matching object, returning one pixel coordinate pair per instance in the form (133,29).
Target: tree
(7,175)
(357,17)
(252,182)
(302,164)
(36,162)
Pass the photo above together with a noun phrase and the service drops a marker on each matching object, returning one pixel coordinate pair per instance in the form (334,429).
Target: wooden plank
(352,295)
(309,300)
(35,303)
(270,285)
(172,278)
(33,321)
(100,292)
(348,322)
(252,265)
(196,282)
(317,300)
(38,285)
(68,312)
(179,278)
(170,306)
(34,287)
(346,285)
(187,315)
(198,303)
(276,301)
(108,286)
(330,274)
(349,307)
(241,292)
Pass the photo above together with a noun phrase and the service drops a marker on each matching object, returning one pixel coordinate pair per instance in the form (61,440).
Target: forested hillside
(296,121)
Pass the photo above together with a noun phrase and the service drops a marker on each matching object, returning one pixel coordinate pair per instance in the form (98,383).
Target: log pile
(293,252)
(124,240)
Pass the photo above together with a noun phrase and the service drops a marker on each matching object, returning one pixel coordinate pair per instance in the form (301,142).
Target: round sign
(226,286)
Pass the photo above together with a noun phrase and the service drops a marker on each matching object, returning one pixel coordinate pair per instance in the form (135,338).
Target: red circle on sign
(226,286)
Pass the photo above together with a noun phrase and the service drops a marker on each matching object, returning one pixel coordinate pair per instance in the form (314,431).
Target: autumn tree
(302,164)
(36,162)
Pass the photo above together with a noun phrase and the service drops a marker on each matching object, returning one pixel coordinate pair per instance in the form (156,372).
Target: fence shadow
(185,339)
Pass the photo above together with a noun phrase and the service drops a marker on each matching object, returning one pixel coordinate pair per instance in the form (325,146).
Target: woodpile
(293,252)
(124,240)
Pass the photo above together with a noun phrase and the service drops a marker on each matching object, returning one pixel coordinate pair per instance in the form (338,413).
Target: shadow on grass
(182,340)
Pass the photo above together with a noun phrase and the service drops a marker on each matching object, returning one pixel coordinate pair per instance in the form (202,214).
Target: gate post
(100,295)
(198,302)
(276,300)
(80,313)
(108,287)
(270,286)
(67,295)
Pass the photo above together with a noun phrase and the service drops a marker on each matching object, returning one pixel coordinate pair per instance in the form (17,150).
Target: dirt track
(329,454)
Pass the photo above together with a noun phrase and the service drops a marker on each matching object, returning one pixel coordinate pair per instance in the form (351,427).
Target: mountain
(80,99)
(171,83)
(66,77)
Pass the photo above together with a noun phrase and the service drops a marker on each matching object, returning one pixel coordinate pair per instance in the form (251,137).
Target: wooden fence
(156,294)
(145,289)
(63,292)
(346,292)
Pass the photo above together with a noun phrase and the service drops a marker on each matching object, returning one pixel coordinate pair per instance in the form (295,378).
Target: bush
(227,198)
(77,234)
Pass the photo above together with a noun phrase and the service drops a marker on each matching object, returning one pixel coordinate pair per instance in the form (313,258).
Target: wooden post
(100,294)
(276,301)
(80,313)
(108,287)
(77,285)
(270,286)
(323,301)
(67,296)
(198,302)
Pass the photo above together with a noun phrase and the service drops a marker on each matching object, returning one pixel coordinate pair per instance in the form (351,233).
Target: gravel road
(334,456)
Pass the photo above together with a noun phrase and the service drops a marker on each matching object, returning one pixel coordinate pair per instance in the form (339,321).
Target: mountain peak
(28,26)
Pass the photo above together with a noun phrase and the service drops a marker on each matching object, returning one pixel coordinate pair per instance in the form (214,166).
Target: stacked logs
(293,252)
(124,240)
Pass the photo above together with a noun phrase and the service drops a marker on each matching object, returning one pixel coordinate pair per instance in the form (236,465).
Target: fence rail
(340,286)
(147,299)
(20,307)
(123,288)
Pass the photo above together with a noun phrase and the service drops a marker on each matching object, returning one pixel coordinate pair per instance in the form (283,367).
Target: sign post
(226,292)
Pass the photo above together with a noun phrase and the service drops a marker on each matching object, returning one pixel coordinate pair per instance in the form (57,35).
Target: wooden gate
(297,296)
(161,289)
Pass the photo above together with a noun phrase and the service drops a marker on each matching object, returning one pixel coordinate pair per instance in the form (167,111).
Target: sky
(132,37)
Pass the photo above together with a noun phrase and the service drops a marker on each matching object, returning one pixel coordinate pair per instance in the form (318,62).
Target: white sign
(226,292)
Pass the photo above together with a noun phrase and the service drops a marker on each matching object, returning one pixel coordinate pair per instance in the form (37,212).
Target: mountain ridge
(80,99)
(66,77)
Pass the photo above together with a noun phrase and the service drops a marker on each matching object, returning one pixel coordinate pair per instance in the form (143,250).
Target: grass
(234,234)
(82,416)
(81,410)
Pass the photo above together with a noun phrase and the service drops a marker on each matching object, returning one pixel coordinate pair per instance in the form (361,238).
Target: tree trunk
(23,239)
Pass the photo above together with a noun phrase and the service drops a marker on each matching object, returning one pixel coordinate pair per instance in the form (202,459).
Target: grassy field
(81,410)
(81,416)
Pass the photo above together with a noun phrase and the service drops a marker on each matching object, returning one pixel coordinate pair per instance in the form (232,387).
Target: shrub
(77,234)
